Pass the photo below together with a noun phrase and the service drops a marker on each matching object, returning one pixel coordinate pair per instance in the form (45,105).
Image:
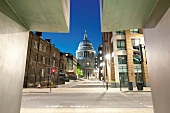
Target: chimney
(48,40)
(39,34)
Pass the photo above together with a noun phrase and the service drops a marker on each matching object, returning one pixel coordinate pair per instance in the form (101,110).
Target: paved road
(84,100)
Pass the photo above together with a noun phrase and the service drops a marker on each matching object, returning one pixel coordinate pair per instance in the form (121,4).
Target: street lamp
(106,59)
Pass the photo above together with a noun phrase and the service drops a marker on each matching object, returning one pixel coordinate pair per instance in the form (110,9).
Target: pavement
(86,96)
(84,83)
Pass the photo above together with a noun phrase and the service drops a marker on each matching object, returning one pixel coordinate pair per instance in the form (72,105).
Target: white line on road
(149,106)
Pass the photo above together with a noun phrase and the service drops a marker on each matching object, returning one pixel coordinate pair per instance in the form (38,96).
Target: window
(35,44)
(44,49)
(122,59)
(42,74)
(122,69)
(53,63)
(48,61)
(88,63)
(120,32)
(134,31)
(40,47)
(54,54)
(100,58)
(100,52)
(121,45)
(43,60)
(135,42)
(138,69)
(49,70)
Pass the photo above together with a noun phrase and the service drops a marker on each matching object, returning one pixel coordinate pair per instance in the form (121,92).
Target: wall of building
(13,51)
(40,61)
(158,53)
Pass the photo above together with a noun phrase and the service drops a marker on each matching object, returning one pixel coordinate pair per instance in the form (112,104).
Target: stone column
(13,51)
(158,57)
(130,60)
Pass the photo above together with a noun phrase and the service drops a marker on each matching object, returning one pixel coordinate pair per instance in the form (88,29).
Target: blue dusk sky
(84,14)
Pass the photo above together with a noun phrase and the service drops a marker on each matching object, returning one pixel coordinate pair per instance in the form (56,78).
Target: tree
(79,70)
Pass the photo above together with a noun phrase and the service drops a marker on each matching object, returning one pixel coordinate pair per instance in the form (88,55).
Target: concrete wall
(13,49)
(158,56)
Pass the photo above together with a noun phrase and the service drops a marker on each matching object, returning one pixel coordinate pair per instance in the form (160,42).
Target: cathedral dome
(85,49)
(85,44)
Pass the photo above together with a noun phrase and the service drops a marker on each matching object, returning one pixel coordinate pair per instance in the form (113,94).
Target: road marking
(149,106)
(58,106)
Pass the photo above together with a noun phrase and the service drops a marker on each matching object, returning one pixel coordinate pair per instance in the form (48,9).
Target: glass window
(138,69)
(40,47)
(135,42)
(100,58)
(134,31)
(53,63)
(121,45)
(43,60)
(120,32)
(88,63)
(100,52)
(42,74)
(54,54)
(122,69)
(122,59)
(44,49)
(35,44)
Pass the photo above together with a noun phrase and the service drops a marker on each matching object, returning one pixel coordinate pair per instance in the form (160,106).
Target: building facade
(100,62)
(86,57)
(126,67)
(42,57)
(71,65)
(62,65)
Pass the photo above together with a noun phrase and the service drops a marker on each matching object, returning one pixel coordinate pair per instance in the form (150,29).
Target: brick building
(42,57)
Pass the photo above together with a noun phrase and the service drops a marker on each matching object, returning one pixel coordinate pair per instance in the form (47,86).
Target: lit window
(120,32)
(42,74)
(53,63)
(101,71)
(100,58)
(54,54)
(40,47)
(35,44)
(88,63)
(43,60)
(121,45)
(100,52)
(134,31)
(44,49)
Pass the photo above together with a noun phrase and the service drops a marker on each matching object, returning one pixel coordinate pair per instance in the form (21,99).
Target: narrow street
(85,96)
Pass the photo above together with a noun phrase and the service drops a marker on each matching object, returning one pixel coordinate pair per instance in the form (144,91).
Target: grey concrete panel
(6,10)
(43,15)
(158,57)
(13,50)
(160,9)
(125,14)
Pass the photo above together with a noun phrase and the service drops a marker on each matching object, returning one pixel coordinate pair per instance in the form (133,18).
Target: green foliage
(79,70)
